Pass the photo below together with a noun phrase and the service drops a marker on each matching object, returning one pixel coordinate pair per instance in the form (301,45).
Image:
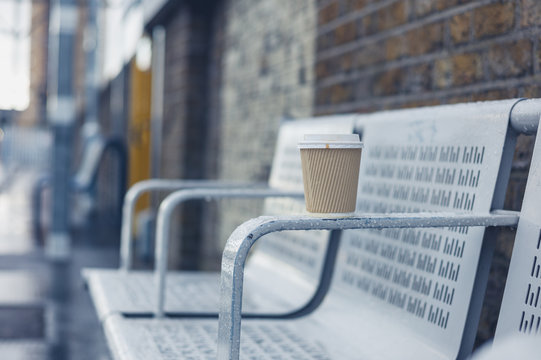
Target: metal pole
(90,44)
(525,116)
(61,116)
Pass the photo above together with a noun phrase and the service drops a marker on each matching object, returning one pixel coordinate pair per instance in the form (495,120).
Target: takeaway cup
(330,171)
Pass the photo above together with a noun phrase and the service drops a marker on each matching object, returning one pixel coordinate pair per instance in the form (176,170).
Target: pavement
(45,311)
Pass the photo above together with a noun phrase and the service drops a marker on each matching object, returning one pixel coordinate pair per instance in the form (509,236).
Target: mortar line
(429,95)
(412,61)
(341,49)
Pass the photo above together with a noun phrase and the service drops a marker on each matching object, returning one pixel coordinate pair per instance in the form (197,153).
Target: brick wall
(185,117)
(267,75)
(374,55)
(211,253)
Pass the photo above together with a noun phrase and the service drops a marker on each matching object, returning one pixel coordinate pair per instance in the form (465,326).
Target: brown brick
(460,27)
(530,13)
(364,109)
(356,4)
(425,39)
(344,33)
(392,16)
(370,24)
(325,41)
(443,73)
(510,59)
(395,47)
(522,157)
(389,82)
(493,19)
(370,55)
(364,88)
(420,103)
(459,99)
(537,55)
(532,91)
(341,93)
(417,79)
(467,69)
(322,97)
(445,4)
(424,7)
(322,70)
(328,13)
(347,61)
(498,94)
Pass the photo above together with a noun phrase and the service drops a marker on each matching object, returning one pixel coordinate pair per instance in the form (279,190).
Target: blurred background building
(192,86)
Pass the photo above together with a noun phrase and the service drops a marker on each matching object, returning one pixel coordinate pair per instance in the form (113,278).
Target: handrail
(164,220)
(244,237)
(138,189)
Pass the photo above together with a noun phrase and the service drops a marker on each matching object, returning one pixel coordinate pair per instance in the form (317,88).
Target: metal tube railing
(245,236)
(164,220)
(135,192)
(525,116)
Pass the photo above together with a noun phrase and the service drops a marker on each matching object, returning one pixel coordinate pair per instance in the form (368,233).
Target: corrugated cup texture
(330,179)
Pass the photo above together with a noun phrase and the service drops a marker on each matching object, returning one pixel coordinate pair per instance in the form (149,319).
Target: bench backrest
(294,254)
(520,312)
(417,283)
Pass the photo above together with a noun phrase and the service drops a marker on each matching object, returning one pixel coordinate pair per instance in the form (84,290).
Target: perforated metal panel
(520,312)
(166,339)
(309,338)
(423,161)
(198,292)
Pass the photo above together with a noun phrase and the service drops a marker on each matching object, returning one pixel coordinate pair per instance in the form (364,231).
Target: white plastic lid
(331,141)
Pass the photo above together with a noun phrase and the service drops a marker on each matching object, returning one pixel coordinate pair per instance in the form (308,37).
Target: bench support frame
(244,237)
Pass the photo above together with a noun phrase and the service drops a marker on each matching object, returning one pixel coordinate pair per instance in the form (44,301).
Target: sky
(14,54)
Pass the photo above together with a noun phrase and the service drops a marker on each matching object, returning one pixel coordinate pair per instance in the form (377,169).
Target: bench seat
(327,336)
(194,291)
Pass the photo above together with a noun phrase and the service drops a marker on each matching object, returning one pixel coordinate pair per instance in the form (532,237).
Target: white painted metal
(135,192)
(349,314)
(166,338)
(437,159)
(167,207)
(520,312)
(341,303)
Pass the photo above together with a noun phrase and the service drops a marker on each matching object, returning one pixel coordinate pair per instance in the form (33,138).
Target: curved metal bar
(242,239)
(525,116)
(133,194)
(164,220)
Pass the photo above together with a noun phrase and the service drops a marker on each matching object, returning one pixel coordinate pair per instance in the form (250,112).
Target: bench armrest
(164,220)
(242,239)
(138,189)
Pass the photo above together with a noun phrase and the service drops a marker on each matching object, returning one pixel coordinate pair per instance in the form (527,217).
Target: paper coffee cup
(330,171)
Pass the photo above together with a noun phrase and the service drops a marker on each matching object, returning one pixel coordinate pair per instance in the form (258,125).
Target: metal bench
(411,293)
(520,312)
(132,292)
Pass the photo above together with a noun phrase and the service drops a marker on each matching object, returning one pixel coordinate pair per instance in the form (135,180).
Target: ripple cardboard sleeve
(330,171)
